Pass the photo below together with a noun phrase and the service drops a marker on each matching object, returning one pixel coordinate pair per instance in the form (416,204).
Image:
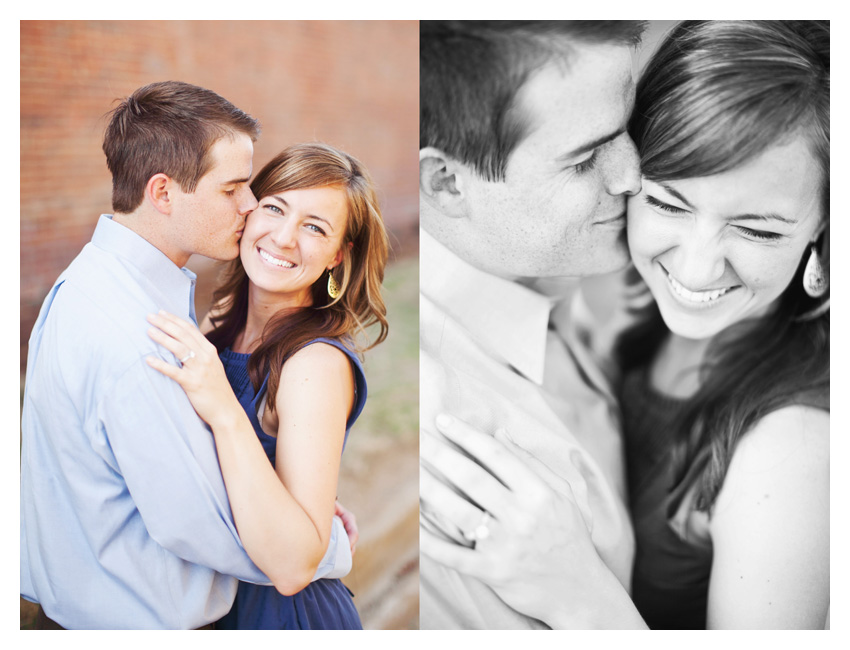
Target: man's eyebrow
(283,202)
(767,216)
(592,144)
(236,181)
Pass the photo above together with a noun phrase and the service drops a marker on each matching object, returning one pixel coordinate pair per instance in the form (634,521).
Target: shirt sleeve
(337,561)
(167,457)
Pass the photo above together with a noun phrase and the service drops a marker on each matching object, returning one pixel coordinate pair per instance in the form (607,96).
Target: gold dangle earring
(814,277)
(333,286)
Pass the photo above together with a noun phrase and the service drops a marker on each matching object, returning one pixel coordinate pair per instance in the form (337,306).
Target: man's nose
(624,175)
(248,202)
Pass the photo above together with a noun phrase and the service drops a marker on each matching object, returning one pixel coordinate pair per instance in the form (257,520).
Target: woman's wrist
(228,417)
(599,602)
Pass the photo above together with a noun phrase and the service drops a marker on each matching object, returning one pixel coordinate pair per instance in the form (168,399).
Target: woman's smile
(696,299)
(274,260)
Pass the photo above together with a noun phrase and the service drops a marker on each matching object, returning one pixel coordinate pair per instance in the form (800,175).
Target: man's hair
(471,71)
(167,127)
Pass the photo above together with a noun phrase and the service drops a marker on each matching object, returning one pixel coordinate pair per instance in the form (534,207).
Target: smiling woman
(725,393)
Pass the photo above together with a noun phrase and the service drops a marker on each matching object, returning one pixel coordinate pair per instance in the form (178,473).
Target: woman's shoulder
(322,352)
(796,431)
(785,453)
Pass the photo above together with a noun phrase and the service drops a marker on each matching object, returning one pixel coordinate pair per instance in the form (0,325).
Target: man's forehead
(232,159)
(586,97)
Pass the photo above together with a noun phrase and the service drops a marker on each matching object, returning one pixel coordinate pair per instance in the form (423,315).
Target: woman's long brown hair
(365,249)
(715,95)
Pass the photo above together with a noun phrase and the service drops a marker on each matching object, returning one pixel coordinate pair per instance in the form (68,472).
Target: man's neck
(149,228)
(556,287)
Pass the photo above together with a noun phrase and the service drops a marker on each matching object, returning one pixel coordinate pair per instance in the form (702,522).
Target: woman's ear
(442,182)
(338,257)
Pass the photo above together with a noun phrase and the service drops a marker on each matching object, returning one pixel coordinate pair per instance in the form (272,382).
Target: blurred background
(354,85)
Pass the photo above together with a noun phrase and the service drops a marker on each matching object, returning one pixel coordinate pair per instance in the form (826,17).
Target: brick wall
(354,85)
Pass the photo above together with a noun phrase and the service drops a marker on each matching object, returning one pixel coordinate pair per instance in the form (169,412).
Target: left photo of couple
(219,325)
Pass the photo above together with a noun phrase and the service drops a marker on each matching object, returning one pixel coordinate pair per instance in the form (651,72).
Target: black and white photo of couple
(666,466)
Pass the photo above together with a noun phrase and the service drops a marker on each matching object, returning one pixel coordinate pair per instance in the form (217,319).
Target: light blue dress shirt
(125,521)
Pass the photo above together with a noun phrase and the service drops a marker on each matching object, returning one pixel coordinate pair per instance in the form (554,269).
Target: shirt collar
(174,284)
(503,316)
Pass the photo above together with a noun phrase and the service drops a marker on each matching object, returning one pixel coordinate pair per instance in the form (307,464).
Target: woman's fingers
(494,455)
(472,480)
(437,497)
(460,558)
(571,484)
(178,348)
(180,337)
(536,465)
(167,369)
(179,329)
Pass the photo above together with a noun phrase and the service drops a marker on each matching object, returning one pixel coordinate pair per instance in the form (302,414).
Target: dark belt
(42,622)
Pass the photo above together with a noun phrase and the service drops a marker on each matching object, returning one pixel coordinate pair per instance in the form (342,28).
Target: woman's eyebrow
(675,193)
(281,200)
(767,216)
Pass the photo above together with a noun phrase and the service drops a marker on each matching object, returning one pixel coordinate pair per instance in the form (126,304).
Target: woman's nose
(700,260)
(284,235)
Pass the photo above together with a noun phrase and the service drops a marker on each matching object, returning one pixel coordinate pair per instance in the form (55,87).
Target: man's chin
(223,254)
(611,258)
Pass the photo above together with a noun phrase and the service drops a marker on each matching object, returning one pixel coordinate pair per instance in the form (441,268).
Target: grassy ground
(379,479)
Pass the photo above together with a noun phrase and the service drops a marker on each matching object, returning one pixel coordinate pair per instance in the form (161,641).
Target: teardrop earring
(814,277)
(333,286)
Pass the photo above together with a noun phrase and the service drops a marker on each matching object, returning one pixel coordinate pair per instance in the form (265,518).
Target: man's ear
(159,190)
(442,181)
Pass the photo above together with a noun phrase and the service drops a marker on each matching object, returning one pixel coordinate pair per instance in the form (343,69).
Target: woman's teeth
(277,262)
(695,296)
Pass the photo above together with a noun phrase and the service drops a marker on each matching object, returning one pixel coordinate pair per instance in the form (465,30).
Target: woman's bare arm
(770,527)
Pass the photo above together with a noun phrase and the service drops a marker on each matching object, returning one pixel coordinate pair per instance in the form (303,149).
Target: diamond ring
(481,531)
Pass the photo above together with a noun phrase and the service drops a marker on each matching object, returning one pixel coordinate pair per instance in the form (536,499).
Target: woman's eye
(759,235)
(271,207)
(315,228)
(666,207)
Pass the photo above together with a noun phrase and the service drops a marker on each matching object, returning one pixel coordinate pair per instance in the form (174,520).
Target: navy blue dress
(323,604)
